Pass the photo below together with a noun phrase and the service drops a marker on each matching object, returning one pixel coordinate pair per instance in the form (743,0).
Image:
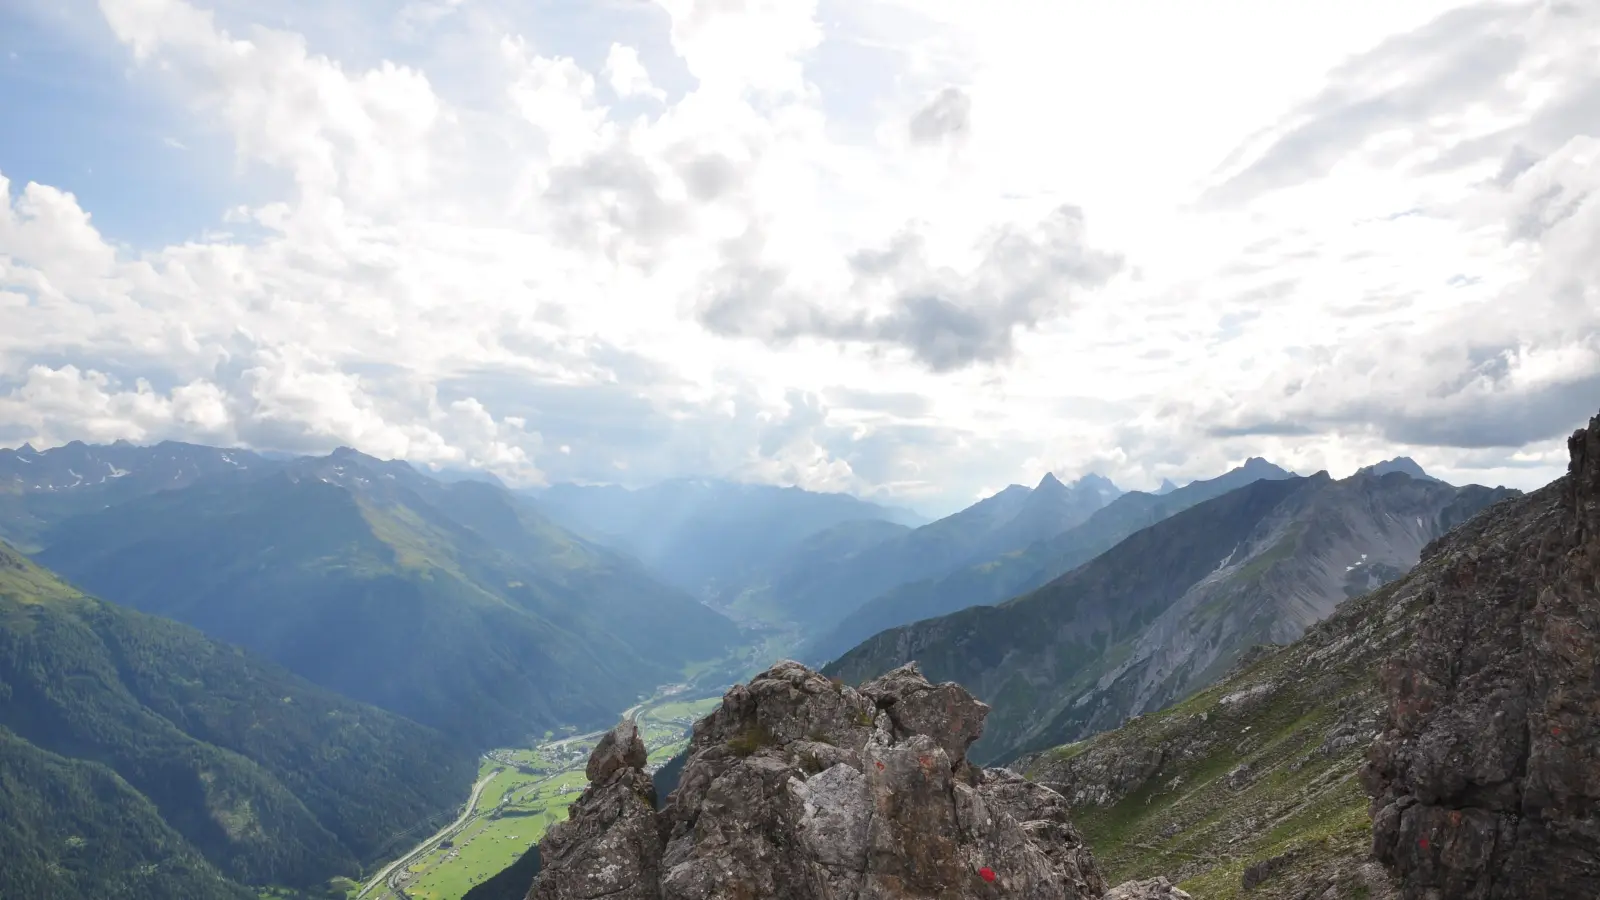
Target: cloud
(364,137)
(1502,365)
(947,116)
(627,75)
(1453,94)
(1459,57)
(635,241)
(946,319)
(745,46)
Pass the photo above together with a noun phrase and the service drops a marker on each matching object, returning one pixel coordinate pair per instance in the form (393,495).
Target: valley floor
(521,792)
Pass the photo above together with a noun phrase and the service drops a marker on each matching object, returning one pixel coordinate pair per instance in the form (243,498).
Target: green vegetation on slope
(455,605)
(269,778)
(72,829)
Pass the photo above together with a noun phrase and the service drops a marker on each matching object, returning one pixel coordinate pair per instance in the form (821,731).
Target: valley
(1083,616)
(520,793)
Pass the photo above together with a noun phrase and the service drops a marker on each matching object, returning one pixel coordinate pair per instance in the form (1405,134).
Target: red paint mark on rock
(1423,843)
(1556,731)
(986,873)
(879,764)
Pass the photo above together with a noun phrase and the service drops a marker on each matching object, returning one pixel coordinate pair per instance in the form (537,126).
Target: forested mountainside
(456,605)
(1029,565)
(1167,610)
(1435,738)
(140,759)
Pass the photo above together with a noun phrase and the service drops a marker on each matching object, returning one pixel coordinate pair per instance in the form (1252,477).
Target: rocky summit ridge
(802,788)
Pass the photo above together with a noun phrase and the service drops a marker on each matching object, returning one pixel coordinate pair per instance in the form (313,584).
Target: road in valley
(430,843)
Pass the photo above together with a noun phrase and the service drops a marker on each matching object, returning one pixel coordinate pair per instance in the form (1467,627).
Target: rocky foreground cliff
(1486,778)
(802,788)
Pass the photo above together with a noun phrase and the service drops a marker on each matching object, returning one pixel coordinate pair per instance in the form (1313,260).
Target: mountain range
(816,590)
(1168,609)
(38,489)
(998,576)
(458,605)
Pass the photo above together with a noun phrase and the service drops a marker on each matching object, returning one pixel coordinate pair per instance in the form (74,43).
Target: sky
(914,250)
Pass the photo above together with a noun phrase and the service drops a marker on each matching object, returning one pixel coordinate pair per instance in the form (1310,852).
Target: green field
(530,791)
(681,710)
(518,808)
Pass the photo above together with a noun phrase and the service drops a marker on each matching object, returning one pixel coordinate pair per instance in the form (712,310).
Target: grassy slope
(269,777)
(1260,769)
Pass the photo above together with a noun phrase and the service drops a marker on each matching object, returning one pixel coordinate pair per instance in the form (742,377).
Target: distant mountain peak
(1263,468)
(1167,487)
(1049,481)
(1099,484)
(1403,464)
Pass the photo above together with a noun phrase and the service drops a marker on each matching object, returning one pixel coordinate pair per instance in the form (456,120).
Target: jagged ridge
(802,787)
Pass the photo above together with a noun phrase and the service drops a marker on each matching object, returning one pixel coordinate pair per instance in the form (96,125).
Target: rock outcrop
(1485,781)
(1153,889)
(802,788)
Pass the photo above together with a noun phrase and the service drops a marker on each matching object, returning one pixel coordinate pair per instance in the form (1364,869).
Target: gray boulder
(1155,889)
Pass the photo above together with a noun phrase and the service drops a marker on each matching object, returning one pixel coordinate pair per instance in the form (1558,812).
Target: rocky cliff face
(1486,777)
(801,787)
